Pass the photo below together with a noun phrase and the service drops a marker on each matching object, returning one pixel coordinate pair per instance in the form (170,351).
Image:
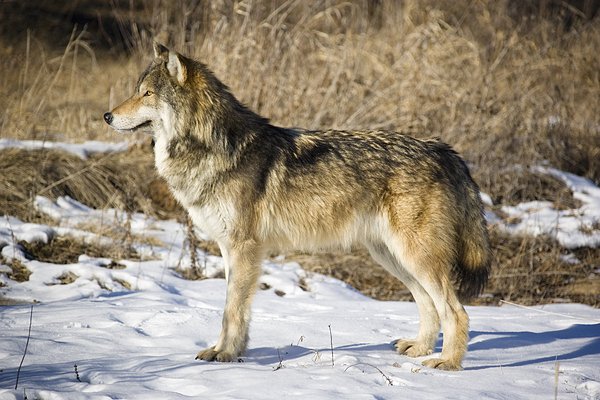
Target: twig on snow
(556,371)
(77,373)
(387,378)
(280,366)
(25,351)
(331,344)
(539,310)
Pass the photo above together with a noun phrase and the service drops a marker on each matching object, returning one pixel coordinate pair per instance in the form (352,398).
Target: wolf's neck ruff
(257,188)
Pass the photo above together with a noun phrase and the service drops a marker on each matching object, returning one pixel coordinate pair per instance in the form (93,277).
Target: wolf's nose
(108,117)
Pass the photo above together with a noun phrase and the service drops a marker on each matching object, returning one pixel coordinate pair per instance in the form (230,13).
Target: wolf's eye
(148,93)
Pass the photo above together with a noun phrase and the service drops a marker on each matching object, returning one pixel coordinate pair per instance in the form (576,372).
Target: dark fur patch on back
(310,153)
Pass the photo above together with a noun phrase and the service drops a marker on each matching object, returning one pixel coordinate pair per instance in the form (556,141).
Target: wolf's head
(180,97)
(153,104)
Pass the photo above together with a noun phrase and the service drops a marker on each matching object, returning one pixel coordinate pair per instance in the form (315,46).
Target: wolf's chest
(186,176)
(161,155)
(189,180)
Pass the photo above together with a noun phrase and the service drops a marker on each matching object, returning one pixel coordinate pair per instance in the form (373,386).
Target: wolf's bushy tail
(474,255)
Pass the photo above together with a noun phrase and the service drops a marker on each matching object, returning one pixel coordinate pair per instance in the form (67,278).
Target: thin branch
(556,372)
(278,367)
(77,373)
(331,344)
(387,378)
(538,310)
(26,345)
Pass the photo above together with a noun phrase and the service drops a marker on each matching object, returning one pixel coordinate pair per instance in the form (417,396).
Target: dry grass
(121,180)
(507,83)
(516,184)
(528,270)
(19,273)
(63,250)
(503,84)
(357,269)
(67,249)
(531,270)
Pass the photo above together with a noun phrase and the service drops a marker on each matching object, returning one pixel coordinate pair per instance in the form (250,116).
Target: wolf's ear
(160,51)
(176,67)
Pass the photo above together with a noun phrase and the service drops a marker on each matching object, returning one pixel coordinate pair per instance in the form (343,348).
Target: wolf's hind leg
(429,326)
(241,286)
(434,277)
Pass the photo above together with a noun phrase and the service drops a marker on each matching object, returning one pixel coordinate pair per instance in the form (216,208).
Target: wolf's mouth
(141,126)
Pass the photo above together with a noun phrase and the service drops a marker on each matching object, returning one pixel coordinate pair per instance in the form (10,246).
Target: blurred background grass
(508,83)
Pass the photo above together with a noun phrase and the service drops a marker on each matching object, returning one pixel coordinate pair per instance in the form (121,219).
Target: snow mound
(572,228)
(81,150)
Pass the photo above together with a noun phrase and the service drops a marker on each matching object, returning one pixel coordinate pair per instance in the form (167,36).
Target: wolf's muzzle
(108,117)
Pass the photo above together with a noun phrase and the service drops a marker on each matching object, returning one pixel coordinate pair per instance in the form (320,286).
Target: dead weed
(514,185)
(19,272)
(67,249)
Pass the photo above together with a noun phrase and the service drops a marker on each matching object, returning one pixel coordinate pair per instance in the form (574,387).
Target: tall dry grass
(502,88)
(122,181)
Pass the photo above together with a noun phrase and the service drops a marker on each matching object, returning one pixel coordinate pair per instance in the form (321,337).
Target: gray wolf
(257,188)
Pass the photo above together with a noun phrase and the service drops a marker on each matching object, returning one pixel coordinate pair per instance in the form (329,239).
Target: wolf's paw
(211,354)
(412,348)
(443,364)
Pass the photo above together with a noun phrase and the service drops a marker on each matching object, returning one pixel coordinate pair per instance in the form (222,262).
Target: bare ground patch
(535,270)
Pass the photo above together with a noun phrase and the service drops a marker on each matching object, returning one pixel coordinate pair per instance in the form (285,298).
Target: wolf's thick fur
(258,188)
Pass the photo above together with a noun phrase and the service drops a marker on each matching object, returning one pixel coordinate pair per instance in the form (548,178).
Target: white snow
(133,331)
(82,150)
(141,343)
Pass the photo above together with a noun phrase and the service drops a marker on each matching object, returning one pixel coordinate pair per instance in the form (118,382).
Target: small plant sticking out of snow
(18,270)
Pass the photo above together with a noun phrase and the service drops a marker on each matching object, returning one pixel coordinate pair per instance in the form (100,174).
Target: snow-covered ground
(82,150)
(133,331)
(572,228)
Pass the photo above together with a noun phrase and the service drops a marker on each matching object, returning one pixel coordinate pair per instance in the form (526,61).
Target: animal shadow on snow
(523,340)
(496,341)
(272,356)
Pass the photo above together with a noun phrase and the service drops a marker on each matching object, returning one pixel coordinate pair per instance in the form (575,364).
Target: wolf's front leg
(244,260)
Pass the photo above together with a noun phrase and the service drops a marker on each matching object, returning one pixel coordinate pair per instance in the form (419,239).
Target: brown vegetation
(67,249)
(510,84)
(121,180)
(19,273)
